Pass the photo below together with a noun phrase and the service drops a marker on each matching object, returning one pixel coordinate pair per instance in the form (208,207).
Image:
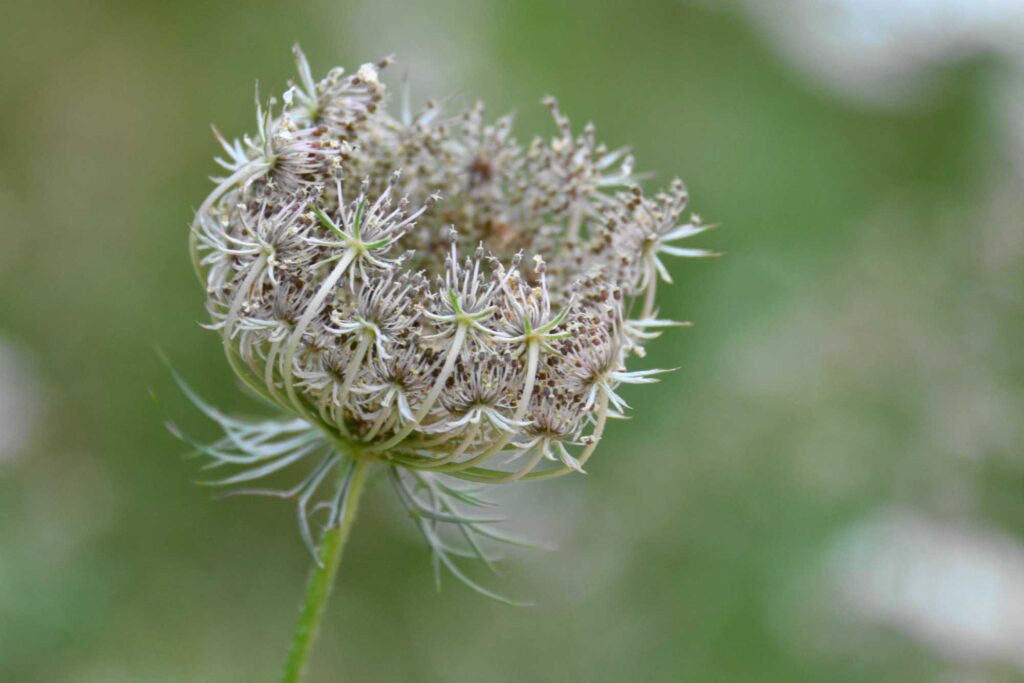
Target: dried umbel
(420,290)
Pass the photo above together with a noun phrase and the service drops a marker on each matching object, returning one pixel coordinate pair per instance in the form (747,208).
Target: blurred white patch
(19,401)
(881,49)
(958,590)
(888,52)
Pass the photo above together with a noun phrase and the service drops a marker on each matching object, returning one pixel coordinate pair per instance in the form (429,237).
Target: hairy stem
(312,310)
(435,391)
(241,176)
(321,579)
(652,288)
(467,439)
(255,270)
(350,375)
(532,356)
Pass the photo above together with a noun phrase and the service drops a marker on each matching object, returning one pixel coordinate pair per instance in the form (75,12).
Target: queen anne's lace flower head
(422,289)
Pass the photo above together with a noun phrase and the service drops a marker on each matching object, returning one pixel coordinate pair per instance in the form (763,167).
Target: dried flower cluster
(426,289)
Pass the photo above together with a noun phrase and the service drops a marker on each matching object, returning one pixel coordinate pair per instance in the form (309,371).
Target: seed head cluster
(423,287)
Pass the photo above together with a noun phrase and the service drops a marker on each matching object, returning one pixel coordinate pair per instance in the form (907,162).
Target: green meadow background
(829,488)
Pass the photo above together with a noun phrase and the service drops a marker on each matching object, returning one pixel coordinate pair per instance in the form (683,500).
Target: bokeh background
(830,487)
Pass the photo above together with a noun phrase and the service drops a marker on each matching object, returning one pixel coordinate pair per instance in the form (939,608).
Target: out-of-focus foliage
(829,487)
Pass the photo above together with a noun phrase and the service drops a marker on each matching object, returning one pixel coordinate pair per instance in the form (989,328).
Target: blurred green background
(830,488)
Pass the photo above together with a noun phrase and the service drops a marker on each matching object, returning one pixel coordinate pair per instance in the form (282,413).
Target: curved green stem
(321,580)
(435,391)
(652,288)
(532,355)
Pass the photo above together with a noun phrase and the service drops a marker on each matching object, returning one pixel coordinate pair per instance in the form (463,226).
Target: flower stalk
(322,575)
